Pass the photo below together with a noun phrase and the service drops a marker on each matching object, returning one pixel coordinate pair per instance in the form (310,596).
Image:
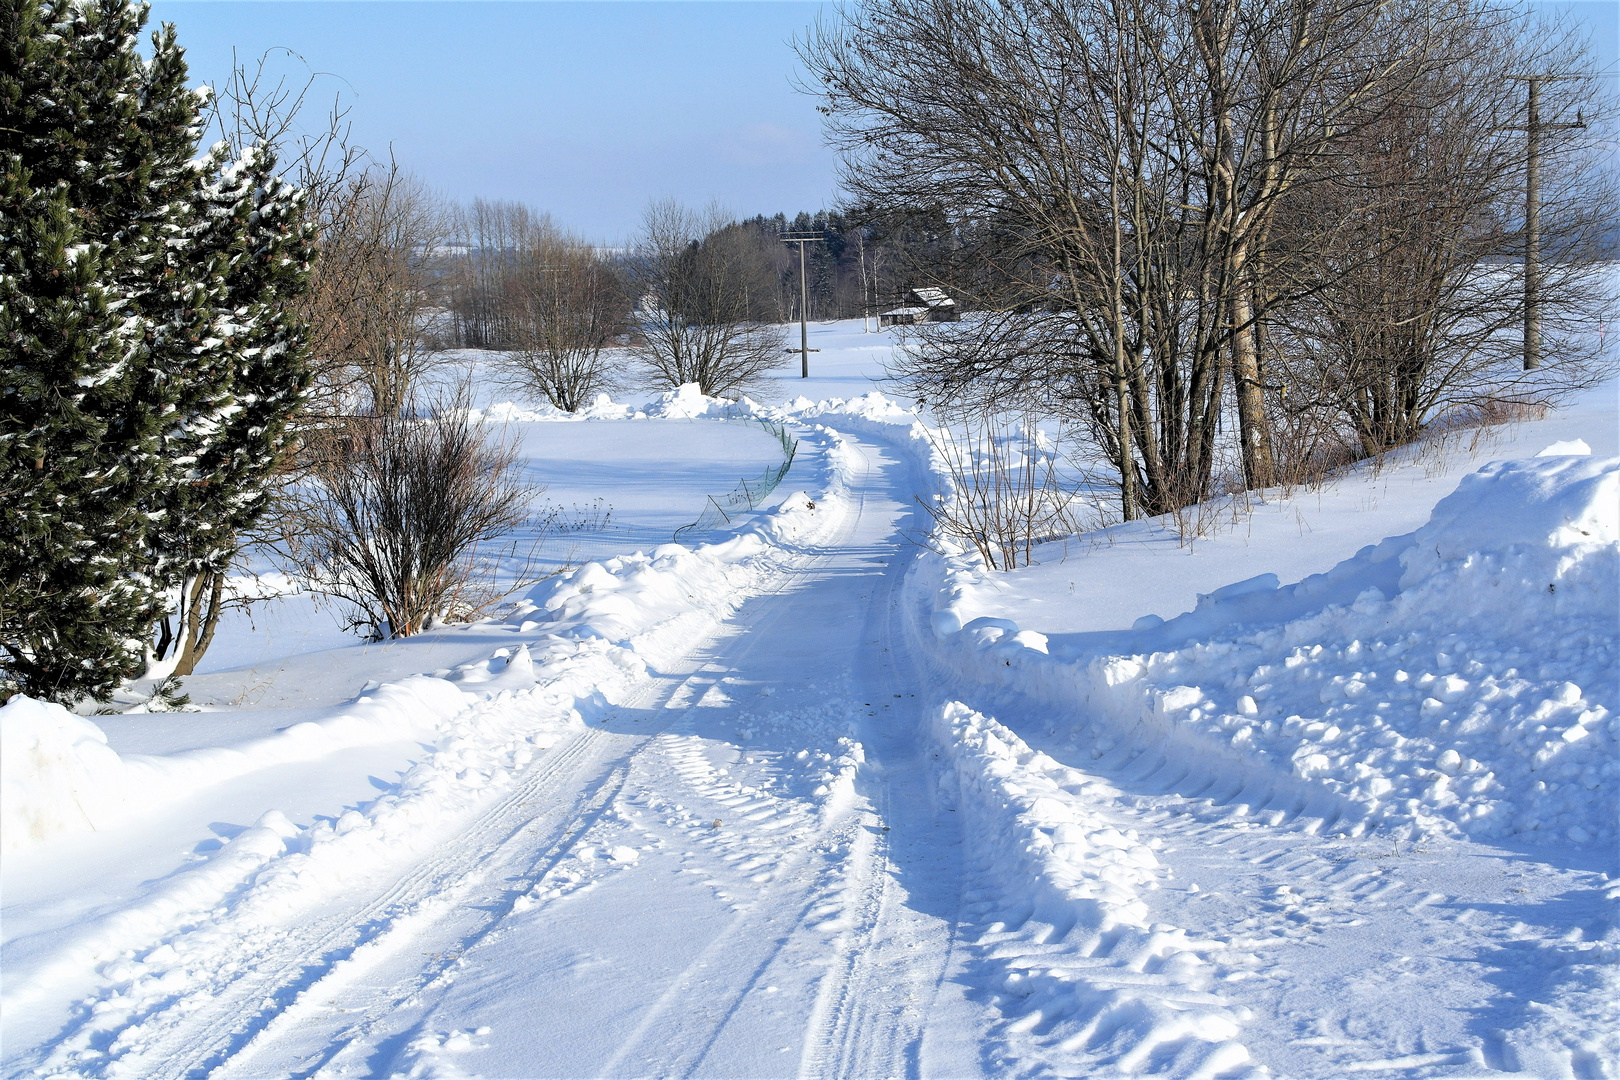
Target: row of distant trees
(696,296)
(862,262)
(687,302)
(1304,216)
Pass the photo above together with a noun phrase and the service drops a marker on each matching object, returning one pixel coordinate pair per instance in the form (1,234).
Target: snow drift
(1128,990)
(1461,679)
(588,633)
(60,776)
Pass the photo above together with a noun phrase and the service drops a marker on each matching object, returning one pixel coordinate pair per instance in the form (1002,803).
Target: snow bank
(60,776)
(1103,979)
(1459,680)
(684,403)
(57,774)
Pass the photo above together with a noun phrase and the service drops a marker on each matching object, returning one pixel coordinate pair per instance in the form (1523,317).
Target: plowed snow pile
(1460,679)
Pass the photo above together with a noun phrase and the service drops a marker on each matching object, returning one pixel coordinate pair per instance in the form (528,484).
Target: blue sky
(586,109)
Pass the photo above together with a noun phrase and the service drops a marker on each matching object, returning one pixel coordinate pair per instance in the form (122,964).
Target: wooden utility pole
(1532,213)
(804,350)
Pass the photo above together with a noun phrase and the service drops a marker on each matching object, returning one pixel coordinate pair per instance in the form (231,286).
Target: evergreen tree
(146,375)
(242,259)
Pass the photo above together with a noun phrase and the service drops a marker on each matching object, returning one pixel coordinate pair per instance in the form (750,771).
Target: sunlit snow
(1326,785)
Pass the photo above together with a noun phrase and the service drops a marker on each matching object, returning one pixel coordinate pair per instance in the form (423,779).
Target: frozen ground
(1329,792)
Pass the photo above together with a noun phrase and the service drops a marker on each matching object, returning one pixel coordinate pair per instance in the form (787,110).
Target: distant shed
(928,305)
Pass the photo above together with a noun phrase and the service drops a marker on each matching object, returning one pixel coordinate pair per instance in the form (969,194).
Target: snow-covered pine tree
(243,258)
(91,137)
(139,335)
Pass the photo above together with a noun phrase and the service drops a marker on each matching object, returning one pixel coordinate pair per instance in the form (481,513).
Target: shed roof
(933,297)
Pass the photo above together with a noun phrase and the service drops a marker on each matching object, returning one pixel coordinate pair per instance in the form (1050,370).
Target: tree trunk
(1253,435)
(199,620)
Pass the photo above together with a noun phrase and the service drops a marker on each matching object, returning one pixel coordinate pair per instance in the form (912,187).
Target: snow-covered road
(706,881)
(826,833)
(704,884)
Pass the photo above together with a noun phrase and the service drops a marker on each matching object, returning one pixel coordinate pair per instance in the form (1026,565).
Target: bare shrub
(396,510)
(1007,495)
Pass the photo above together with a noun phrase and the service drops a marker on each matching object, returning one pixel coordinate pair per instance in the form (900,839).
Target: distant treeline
(864,263)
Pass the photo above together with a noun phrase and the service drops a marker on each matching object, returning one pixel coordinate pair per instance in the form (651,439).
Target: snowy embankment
(580,643)
(1456,680)
(685,403)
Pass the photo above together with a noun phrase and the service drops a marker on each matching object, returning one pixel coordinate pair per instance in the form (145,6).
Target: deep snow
(1329,791)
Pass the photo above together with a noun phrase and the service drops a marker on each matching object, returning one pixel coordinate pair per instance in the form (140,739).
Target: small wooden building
(926,305)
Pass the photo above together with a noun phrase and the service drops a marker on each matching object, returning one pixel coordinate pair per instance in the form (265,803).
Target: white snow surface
(1457,680)
(1328,789)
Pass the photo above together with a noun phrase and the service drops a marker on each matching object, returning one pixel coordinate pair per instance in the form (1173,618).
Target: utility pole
(1532,213)
(804,350)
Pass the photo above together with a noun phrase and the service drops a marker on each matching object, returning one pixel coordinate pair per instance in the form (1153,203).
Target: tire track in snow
(255,964)
(874,962)
(414,928)
(842,1037)
(199,1031)
(840,903)
(450,921)
(1304,917)
(872,1016)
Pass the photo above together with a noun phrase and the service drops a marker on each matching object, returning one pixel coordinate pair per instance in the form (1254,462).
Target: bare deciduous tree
(1137,182)
(697,285)
(491,234)
(564,305)
(1411,297)
(376,296)
(378,233)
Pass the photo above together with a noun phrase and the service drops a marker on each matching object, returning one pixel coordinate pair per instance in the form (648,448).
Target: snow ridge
(214,933)
(1444,706)
(1081,970)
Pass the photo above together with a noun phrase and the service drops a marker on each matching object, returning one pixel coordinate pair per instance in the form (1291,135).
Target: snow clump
(57,773)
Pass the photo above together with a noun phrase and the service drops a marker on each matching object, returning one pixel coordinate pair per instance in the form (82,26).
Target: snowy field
(1330,791)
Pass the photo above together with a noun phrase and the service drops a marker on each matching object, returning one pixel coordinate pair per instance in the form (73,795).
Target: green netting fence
(722,510)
